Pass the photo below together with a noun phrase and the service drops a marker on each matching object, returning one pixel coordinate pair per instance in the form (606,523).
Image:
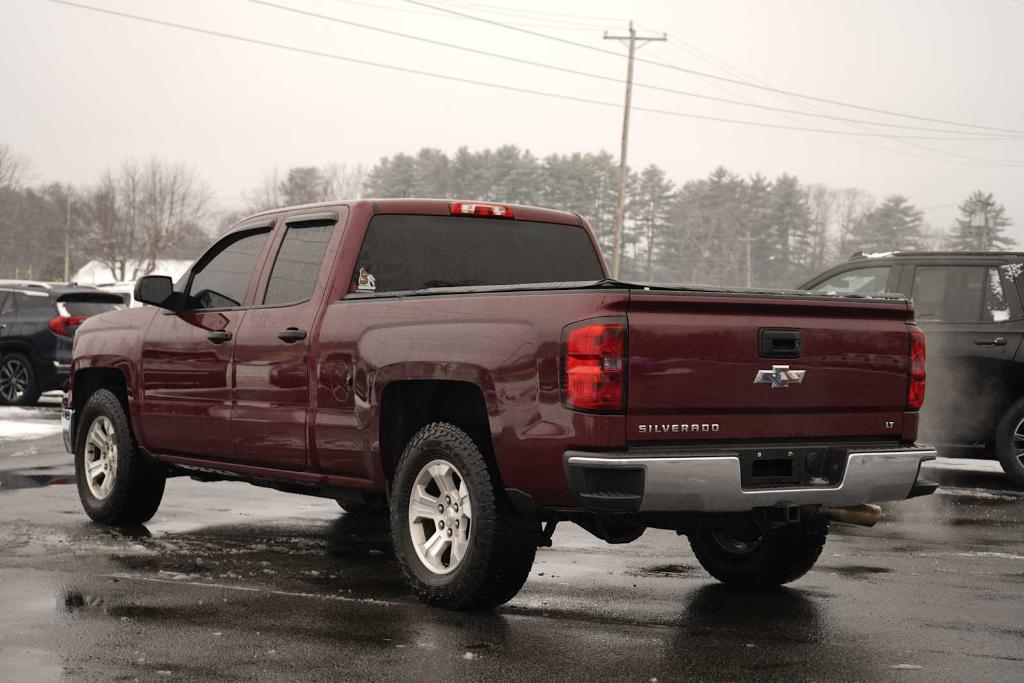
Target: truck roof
(437,207)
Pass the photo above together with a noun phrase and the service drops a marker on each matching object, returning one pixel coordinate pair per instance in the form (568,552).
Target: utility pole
(67,237)
(632,39)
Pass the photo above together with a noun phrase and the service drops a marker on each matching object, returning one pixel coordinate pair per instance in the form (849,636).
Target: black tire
(137,485)
(18,386)
(1009,447)
(780,556)
(501,542)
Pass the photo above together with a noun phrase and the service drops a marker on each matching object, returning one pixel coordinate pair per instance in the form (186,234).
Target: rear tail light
(915,380)
(481,209)
(62,324)
(594,365)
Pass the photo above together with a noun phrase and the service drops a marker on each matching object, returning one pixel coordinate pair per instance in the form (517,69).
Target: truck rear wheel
(460,543)
(1010,442)
(761,561)
(116,484)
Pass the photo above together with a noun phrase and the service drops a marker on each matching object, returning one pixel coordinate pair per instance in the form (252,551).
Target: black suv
(970,308)
(37,324)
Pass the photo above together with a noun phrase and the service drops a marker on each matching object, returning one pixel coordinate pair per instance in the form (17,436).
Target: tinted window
(960,294)
(859,281)
(417,252)
(31,301)
(6,303)
(298,263)
(221,279)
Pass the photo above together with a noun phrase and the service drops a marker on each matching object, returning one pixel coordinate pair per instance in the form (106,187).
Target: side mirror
(156,290)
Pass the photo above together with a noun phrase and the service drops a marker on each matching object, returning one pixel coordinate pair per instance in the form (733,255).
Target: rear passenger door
(971,315)
(272,352)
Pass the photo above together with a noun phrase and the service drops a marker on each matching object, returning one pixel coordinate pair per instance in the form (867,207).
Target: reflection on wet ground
(231,581)
(32,479)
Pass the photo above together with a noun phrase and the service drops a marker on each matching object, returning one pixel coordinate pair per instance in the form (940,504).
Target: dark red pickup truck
(471,369)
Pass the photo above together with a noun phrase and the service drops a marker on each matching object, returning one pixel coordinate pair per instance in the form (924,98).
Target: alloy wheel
(13,380)
(1018,441)
(440,516)
(101,457)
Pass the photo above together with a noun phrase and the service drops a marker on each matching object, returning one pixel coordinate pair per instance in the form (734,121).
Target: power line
(694,72)
(612,79)
(470,81)
(522,10)
(853,122)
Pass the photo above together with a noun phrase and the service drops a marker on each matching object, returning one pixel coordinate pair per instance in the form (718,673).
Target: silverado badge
(780,377)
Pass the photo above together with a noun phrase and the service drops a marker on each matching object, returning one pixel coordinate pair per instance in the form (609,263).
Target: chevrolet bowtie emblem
(780,377)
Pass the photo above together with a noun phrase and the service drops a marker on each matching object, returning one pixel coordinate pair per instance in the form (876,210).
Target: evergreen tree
(894,225)
(649,205)
(981,225)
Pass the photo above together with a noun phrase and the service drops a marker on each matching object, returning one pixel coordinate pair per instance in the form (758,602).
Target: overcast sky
(81,90)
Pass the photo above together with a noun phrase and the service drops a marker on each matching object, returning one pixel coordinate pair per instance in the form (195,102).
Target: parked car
(969,306)
(471,369)
(37,323)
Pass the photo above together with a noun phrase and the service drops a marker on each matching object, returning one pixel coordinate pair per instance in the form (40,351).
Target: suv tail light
(481,209)
(62,324)
(594,365)
(915,380)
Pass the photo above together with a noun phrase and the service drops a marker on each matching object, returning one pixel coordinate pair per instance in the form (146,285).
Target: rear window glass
(298,263)
(26,301)
(418,252)
(87,308)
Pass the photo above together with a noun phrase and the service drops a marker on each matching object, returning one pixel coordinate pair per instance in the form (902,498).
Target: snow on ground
(965,464)
(27,423)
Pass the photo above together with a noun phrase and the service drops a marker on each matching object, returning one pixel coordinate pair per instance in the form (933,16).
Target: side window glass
(952,294)
(6,303)
(222,278)
(997,308)
(298,263)
(860,281)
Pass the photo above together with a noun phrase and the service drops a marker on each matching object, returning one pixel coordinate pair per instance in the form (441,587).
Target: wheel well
(409,405)
(89,380)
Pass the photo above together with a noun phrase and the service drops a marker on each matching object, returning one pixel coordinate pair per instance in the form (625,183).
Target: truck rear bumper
(711,482)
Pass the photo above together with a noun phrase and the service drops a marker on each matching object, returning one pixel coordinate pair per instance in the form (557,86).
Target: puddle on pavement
(663,570)
(32,480)
(857,571)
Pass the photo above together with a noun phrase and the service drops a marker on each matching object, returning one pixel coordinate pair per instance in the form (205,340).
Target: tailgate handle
(780,343)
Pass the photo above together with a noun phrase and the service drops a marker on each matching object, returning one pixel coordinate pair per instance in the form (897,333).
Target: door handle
(291,335)
(990,341)
(219,337)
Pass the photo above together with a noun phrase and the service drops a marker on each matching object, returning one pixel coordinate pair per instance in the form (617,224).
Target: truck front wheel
(761,561)
(460,543)
(116,484)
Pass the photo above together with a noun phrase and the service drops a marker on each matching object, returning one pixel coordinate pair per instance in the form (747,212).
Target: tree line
(723,229)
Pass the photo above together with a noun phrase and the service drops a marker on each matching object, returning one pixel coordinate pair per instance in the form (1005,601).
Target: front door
(272,359)
(971,317)
(187,357)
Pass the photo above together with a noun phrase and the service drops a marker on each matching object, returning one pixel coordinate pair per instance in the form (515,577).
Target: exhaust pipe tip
(859,515)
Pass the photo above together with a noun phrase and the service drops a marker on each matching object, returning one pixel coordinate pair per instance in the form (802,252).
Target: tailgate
(826,368)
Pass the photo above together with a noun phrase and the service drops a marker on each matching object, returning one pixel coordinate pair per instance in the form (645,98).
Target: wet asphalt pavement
(231,581)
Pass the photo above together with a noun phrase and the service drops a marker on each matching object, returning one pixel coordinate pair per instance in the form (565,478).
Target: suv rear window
(402,253)
(87,308)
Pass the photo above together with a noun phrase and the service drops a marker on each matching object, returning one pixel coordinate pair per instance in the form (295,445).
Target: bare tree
(13,168)
(851,205)
(143,212)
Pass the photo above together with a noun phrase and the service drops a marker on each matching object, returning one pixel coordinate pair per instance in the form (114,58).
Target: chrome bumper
(67,419)
(711,482)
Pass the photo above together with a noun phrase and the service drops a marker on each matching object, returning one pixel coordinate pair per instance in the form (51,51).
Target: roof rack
(26,283)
